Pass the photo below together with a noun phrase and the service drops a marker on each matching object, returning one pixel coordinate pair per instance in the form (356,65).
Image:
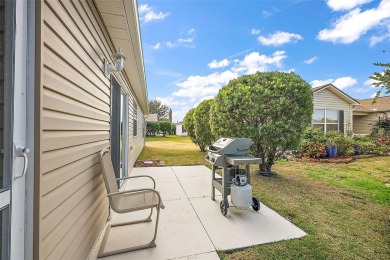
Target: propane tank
(241,195)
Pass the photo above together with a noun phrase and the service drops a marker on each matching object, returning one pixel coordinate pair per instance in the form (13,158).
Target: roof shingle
(382,104)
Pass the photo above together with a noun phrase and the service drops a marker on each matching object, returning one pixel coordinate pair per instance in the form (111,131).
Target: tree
(382,79)
(201,117)
(164,127)
(173,129)
(189,125)
(170,115)
(155,107)
(272,108)
(151,128)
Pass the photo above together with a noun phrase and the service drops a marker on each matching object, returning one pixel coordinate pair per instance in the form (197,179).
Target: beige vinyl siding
(362,125)
(325,99)
(75,127)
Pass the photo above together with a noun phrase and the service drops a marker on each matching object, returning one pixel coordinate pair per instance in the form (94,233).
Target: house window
(328,120)
(119,128)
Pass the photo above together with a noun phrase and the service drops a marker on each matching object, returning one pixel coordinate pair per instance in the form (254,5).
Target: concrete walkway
(191,225)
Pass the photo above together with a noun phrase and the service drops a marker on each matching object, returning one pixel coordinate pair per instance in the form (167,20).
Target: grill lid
(232,146)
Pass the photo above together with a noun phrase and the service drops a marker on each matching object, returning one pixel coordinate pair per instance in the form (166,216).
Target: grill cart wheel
(224,207)
(256,204)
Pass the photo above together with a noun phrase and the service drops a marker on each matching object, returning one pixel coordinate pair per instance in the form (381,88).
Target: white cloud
(200,86)
(170,44)
(255,31)
(218,64)
(311,60)
(255,61)
(186,42)
(147,14)
(341,83)
(338,5)
(279,38)
(349,27)
(144,8)
(194,89)
(265,14)
(379,38)
(157,46)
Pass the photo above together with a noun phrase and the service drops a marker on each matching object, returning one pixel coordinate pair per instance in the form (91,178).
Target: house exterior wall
(362,124)
(179,130)
(325,99)
(75,126)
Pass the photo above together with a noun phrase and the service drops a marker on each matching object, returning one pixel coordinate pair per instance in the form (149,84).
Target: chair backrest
(108,171)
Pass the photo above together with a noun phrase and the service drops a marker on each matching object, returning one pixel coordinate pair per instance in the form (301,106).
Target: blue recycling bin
(331,151)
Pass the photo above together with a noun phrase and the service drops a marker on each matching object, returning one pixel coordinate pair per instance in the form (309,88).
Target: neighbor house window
(328,120)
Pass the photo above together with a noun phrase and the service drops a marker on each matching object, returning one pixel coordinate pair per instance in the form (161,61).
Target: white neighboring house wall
(180,130)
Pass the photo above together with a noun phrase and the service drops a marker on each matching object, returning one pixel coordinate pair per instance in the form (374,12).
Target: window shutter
(341,121)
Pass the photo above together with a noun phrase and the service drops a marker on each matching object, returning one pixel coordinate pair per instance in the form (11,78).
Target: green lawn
(344,208)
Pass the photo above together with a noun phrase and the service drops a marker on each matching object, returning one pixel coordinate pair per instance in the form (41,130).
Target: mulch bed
(149,163)
(345,159)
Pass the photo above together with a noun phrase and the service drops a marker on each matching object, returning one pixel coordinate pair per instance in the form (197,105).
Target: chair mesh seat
(135,201)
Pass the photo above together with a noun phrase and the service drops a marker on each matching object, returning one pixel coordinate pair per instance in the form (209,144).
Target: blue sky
(192,48)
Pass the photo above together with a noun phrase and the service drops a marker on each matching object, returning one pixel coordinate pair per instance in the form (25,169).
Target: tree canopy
(164,127)
(152,128)
(189,125)
(156,107)
(271,108)
(382,79)
(201,118)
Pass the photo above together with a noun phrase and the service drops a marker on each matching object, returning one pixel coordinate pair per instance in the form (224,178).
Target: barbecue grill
(232,155)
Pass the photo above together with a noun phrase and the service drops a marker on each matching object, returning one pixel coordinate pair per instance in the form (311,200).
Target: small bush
(312,149)
(344,144)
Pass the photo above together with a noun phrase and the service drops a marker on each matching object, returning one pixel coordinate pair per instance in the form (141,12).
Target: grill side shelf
(242,160)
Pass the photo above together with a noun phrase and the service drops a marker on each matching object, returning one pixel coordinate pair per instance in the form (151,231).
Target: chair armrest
(139,176)
(137,191)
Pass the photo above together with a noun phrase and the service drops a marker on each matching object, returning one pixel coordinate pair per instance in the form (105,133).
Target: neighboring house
(333,109)
(180,130)
(56,100)
(368,113)
(151,118)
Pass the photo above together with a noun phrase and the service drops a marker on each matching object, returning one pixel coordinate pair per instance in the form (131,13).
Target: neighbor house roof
(337,92)
(381,104)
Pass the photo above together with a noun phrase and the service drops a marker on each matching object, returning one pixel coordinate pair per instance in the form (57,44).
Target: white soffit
(121,20)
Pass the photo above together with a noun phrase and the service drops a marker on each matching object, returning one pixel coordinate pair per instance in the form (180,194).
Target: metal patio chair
(127,201)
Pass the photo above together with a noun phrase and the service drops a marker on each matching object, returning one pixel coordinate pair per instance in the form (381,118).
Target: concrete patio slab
(191,225)
(242,228)
(180,234)
(169,188)
(190,171)
(155,172)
